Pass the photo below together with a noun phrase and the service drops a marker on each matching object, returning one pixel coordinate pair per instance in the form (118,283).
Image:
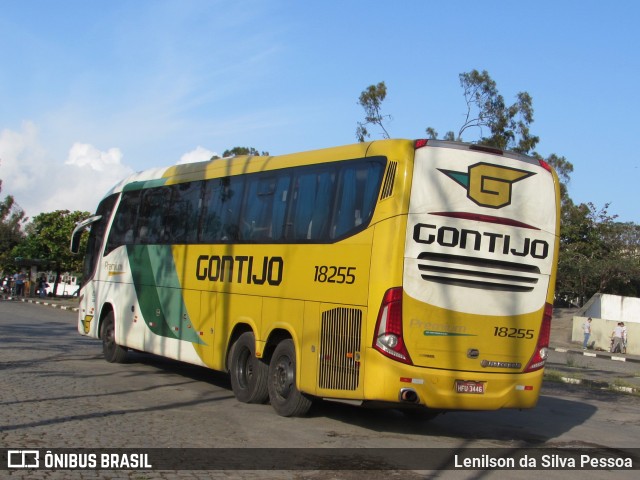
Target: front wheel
(113,353)
(285,397)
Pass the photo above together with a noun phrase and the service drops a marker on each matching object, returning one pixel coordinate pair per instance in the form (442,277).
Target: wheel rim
(109,337)
(244,370)
(284,377)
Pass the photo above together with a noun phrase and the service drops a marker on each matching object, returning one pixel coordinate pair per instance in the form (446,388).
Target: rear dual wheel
(285,397)
(253,381)
(248,373)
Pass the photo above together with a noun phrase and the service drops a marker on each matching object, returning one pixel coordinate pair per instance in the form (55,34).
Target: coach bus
(413,274)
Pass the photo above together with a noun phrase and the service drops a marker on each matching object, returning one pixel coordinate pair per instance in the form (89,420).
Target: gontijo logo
(488,185)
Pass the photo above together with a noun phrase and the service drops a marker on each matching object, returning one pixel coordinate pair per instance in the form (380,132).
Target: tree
(12,218)
(237,151)
(597,254)
(47,239)
(508,125)
(371,100)
(564,169)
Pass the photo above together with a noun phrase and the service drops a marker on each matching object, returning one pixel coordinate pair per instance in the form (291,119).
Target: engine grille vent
(340,349)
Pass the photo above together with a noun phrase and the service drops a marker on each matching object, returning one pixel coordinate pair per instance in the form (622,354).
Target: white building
(606,311)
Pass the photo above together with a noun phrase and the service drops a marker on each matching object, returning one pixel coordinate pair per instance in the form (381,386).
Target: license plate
(469,386)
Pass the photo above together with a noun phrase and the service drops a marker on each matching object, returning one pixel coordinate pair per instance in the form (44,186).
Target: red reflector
(545,165)
(405,380)
(524,387)
(420,143)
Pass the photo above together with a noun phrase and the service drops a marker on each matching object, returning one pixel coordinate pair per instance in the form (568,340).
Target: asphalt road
(57,392)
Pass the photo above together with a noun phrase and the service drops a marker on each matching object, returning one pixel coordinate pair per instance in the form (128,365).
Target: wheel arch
(276,336)
(238,330)
(104,311)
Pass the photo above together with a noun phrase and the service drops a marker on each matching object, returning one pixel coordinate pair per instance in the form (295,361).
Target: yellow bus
(396,272)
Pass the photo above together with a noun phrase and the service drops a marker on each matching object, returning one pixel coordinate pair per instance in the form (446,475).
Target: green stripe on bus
(159,182)
(163,308)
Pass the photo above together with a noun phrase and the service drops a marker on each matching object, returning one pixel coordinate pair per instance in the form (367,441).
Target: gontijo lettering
(240,269)
(488,241)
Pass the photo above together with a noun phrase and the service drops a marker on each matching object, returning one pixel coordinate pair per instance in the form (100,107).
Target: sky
(93,91)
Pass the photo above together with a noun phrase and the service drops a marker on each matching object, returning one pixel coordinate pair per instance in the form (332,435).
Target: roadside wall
(601,331)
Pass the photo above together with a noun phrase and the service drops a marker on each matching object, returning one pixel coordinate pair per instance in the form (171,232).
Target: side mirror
(77,232)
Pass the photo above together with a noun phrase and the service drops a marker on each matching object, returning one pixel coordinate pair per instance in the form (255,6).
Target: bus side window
(264,209)
(124,222)
(312,204)
(280,203)
(210,222)
(371,179)
(221,215)
(152,215)
(258,205)
(96,236)
(357,194)
(183,213)
(347,216)
(231,201)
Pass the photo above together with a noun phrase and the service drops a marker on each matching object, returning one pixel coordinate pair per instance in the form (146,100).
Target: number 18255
(333,274)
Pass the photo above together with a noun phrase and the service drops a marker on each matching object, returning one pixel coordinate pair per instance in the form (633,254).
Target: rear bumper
(386,381)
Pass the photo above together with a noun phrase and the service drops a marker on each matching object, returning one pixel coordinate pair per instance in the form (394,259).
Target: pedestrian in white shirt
(616,336)
(586,328)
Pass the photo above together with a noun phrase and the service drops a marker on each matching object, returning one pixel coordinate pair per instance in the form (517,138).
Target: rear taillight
(544,165)
(420,143)
(542,348)
(388,338)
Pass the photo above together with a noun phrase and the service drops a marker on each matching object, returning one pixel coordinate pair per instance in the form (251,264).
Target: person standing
(20,278)
(616,336)
(42,286)
(586,328)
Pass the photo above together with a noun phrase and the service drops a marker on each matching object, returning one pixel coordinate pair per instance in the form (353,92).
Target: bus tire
(284,395)
(113,353)
(248,373)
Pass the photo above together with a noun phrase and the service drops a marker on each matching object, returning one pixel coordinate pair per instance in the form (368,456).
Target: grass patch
(552,375)
(621,386)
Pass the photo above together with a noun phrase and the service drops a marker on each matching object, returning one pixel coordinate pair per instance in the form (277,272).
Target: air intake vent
(473,272)
(389,178)
(340,349)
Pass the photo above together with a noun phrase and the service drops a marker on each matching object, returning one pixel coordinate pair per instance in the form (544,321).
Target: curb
(51,304)
(41,302)
(598,354)
(597,384)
